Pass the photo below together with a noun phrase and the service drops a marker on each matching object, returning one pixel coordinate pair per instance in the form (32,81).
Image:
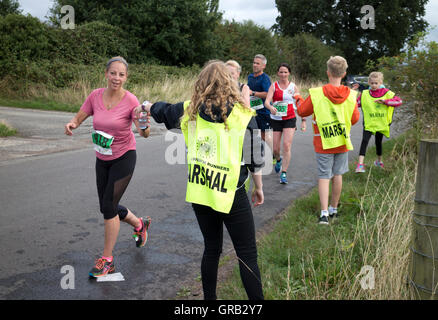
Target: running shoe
(141,236)
(378,163)
(360,168)
(283,178)
(323,220)
(102,268)
(333,214)
(278,165)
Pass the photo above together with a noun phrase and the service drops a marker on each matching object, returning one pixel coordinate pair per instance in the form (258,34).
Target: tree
(306,55)
(242,41)
(338,23)
(23,38)
(173,32)
(9,7)
(411,75)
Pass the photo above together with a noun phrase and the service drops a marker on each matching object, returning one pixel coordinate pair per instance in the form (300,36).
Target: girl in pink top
(375,80)
(112,109)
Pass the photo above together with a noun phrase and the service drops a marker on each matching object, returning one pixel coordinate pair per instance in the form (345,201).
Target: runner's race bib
(281,108)
(102,142)
(256,103)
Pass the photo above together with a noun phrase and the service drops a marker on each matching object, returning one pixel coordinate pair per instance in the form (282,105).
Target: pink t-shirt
(116,121)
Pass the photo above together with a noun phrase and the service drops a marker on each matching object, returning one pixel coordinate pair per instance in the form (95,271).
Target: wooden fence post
(424,256)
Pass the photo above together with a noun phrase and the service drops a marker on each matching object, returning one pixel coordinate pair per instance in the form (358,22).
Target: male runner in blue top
(259,83)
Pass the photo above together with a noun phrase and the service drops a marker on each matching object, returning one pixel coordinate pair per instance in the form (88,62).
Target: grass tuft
(6,130)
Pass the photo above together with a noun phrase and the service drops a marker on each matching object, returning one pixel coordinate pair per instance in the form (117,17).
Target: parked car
(362,81)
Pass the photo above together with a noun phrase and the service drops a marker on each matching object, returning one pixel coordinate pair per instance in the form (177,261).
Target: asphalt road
(50,216)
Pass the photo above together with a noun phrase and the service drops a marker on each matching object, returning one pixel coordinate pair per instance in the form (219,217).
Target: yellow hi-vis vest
(214,157)
(376,116)
(333,120)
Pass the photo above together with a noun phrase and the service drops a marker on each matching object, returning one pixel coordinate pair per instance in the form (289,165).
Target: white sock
(324,213)
(332,210)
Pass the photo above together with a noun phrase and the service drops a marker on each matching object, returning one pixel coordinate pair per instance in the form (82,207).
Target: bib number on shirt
(102,142)
(256,103)
(281,108)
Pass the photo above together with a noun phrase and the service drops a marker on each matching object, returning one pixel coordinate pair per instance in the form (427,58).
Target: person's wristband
(253,93)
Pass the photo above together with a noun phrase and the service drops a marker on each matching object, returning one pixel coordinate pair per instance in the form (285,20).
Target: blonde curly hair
(214,88)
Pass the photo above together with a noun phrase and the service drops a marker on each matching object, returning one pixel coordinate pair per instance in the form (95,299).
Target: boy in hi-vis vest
(334,111)
(377,105)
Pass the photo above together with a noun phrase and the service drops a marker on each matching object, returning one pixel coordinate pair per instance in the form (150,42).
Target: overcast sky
(262,12)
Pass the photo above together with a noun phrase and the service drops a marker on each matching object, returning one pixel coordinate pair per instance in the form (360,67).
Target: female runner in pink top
(112,109)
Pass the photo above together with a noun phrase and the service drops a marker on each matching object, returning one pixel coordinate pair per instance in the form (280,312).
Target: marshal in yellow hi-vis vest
(376,116)
(333,120)
(214,157)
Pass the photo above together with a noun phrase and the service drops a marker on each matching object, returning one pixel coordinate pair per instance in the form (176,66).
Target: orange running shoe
(102,268)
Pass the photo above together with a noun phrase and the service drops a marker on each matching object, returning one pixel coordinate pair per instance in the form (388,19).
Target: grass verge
(6,130)
(69,99)
(39,104)
(303,260)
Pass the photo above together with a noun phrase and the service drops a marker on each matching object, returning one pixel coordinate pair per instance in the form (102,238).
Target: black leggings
(366,138)
(112,178)
(240,225)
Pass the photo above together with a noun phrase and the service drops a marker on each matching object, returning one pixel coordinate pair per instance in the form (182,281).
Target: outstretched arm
(394,102)
(75,122)
(163,112)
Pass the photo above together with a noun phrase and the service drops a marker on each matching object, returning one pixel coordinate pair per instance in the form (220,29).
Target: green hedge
(90,43)
(59,74)
(33,52)
(242,41)
(25,38)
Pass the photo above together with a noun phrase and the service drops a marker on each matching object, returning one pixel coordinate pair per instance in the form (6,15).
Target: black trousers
(240,225)
(112,179)
(366,139)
